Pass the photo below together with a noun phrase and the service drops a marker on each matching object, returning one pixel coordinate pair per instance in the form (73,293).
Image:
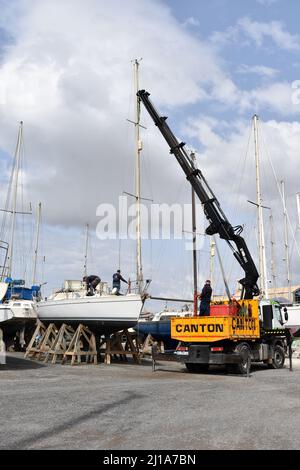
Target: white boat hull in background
(103,314)
(15,315)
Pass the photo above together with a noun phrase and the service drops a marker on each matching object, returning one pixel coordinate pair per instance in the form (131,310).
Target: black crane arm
(218,222)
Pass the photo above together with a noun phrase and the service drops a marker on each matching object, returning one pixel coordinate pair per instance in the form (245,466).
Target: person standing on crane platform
(205,297)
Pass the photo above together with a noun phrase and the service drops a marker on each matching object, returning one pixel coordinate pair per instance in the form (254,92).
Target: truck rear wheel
(196,368)
(278,358)
(241,368)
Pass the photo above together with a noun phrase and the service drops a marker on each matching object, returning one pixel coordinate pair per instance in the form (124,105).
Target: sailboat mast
(298,207)
(273,265)
(139,268)
(37,236)
(286,242)
(86,249)
(260,221)
(15,191)
(212,261)
(194,228)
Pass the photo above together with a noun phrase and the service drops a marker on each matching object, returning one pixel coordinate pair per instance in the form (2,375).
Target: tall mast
(15,191)
(286,242)
(260,222)
(298,208)
(222,269)
(212,260)
(36,247)
(273,263)
(194,228)
(138,143)
(86,249)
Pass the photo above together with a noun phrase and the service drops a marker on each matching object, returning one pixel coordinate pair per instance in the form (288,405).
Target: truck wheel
(241,368)
(278,358)
(196,368)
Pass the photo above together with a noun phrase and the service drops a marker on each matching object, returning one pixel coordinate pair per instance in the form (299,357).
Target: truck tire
(196,368)
(244,350)
(278,358)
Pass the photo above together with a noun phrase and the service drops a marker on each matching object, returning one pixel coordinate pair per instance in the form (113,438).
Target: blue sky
(208,65)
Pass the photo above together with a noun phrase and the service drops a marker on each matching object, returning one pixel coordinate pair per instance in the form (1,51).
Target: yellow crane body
(243,323)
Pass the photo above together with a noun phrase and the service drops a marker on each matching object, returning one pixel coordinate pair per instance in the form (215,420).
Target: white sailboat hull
(15,315)
(102,314)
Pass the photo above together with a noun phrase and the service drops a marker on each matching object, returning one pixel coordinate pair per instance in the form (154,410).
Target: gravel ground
(127,406)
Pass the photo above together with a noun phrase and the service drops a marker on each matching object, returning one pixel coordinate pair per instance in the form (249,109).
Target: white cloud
(274,30)
(191,21)
(267,2)
(68,76)
(262,70)
(247,31)
(277,96)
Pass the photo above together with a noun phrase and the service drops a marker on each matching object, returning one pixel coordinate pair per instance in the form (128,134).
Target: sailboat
(104,312)
(17,302)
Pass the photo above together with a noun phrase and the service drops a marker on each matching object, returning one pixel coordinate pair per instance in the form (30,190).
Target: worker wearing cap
(205,297)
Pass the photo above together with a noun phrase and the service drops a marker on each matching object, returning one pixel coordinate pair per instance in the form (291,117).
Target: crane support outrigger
(235,332)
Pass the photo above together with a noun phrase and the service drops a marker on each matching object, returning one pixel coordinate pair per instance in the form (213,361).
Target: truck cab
(271,315)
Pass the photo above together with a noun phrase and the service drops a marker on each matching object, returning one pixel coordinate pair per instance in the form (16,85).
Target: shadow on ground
(20,363)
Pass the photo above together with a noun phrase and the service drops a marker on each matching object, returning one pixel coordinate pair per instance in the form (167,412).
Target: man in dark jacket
(91,283)
(205,297)
(117,278)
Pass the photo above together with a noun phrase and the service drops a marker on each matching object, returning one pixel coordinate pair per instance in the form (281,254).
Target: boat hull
(103,314)
(159,330)
(16,316)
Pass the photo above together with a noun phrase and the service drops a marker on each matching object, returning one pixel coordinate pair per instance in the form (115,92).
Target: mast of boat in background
(272,241)
(260,222)
(86,249)
(36,246)
(298,208)
(212,260)
(139,146)
(286,242)
(15,190)
(194,228)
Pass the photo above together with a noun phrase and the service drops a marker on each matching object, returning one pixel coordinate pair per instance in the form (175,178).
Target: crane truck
(236,332)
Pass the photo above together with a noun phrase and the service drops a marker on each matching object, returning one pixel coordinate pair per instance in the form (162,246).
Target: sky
(66,70)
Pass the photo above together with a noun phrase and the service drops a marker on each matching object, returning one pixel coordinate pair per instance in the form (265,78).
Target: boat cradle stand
(122,344)
(62,343)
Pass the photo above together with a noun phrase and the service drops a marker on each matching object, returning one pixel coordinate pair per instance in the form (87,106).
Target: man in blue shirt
(117,278)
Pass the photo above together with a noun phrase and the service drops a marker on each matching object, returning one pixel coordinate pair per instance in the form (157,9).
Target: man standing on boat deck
(117,278)
(205,297)
(91,283)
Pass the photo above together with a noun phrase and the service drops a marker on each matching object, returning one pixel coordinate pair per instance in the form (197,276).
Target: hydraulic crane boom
(218,222)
